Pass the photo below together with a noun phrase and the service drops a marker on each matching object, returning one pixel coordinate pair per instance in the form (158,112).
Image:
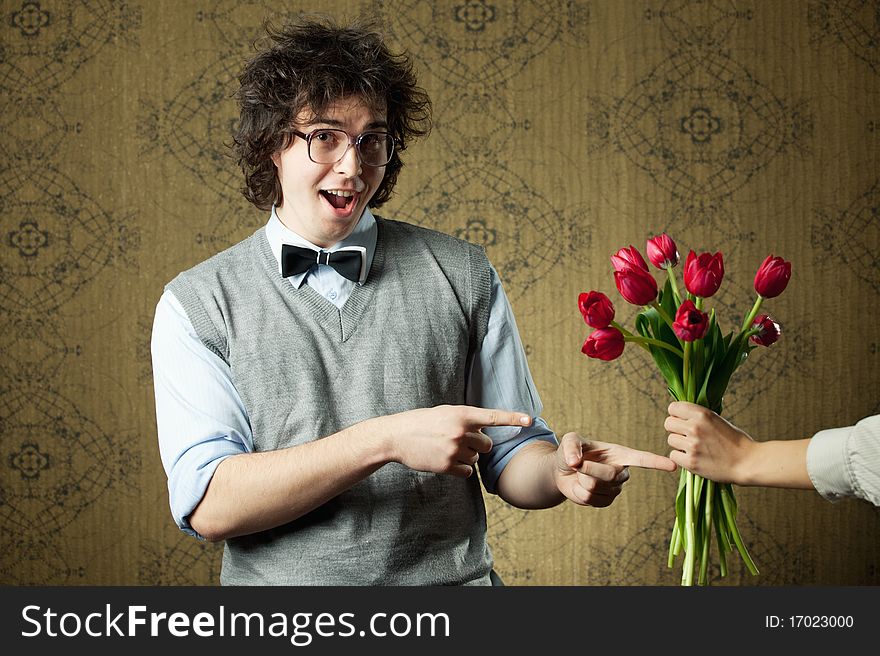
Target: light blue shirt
(200,416)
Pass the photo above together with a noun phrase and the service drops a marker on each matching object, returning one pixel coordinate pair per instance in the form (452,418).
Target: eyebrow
(333,122)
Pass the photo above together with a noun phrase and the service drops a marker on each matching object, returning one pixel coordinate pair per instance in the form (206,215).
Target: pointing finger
(480,417)
(644,459)
(615,454)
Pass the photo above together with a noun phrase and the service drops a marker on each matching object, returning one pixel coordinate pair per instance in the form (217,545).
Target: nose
(350,164)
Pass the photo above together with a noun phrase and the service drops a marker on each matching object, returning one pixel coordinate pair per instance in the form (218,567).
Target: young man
(322,386)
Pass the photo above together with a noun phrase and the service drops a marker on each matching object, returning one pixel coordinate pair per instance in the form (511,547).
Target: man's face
(310,207)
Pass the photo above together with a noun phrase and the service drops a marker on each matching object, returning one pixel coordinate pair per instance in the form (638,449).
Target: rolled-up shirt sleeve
(500,378)
(845,462)
(200,417)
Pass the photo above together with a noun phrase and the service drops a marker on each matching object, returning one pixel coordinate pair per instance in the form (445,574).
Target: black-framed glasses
(328,146)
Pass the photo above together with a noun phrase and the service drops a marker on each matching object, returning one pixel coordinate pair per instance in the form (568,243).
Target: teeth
(340,192)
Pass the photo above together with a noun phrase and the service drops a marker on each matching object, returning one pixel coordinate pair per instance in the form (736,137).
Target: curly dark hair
(308,65)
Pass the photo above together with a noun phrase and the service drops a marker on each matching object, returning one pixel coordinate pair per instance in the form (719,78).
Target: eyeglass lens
(329,146)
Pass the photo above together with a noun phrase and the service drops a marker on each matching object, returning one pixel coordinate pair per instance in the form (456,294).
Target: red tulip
(628,258)
(703,273)
(604,344)
(636,285)
(662,251)
(772,277)
(596,308)
(690,323)
(769,332)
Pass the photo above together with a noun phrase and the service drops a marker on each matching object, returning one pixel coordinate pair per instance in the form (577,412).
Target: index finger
(480,417)
(623,455)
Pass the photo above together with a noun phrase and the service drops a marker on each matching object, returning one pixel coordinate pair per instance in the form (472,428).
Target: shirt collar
(364,235)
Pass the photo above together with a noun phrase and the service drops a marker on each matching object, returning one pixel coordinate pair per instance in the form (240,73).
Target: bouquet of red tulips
(697,361)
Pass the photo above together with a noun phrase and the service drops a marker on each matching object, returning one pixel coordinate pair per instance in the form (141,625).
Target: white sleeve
(845,462)
(200,417)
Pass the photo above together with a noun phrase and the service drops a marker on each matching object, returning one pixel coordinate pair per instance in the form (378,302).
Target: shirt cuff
(494,462)
(826,463)
(185,492)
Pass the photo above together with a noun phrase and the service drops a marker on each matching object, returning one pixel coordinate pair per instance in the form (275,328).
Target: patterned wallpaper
(565,129)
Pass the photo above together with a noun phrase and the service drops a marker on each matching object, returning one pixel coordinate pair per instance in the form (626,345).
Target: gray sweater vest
(305,370)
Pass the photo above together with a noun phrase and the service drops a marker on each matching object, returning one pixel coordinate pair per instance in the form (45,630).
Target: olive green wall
(565,129)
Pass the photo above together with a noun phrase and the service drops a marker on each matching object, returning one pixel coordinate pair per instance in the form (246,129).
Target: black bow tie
(296,260)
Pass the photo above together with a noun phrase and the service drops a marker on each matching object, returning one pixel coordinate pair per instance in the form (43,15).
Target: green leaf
(680,502)
(727,339)
(731,497)
(721,524)
(699,500)
(734,357)
(648,324)
(702,397)
(711,353)
(698,536)
(697,368)
(698,490)
(667,300)
(664,332)
(673,545)
(643,326)
(717,345)
(720,534)
(730,513)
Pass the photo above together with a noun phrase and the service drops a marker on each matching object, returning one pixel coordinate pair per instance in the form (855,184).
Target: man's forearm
(257,491)
(528,479)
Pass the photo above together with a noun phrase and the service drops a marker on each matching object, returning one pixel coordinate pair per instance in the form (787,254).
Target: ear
(276,159)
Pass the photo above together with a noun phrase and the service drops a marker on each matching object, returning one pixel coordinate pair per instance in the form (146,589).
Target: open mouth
(341,200)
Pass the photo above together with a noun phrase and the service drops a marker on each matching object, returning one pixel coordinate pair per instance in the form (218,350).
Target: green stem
(673,545)
(690,384)
(720,534)
(686,370)
(697,359)
(751,315)
(690,548)
(704,560)
(666,318)
(709,488)
(629,337)
(625,332)
(721,524)
(674,286)
(690,537)
(645,341)
(734,531)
